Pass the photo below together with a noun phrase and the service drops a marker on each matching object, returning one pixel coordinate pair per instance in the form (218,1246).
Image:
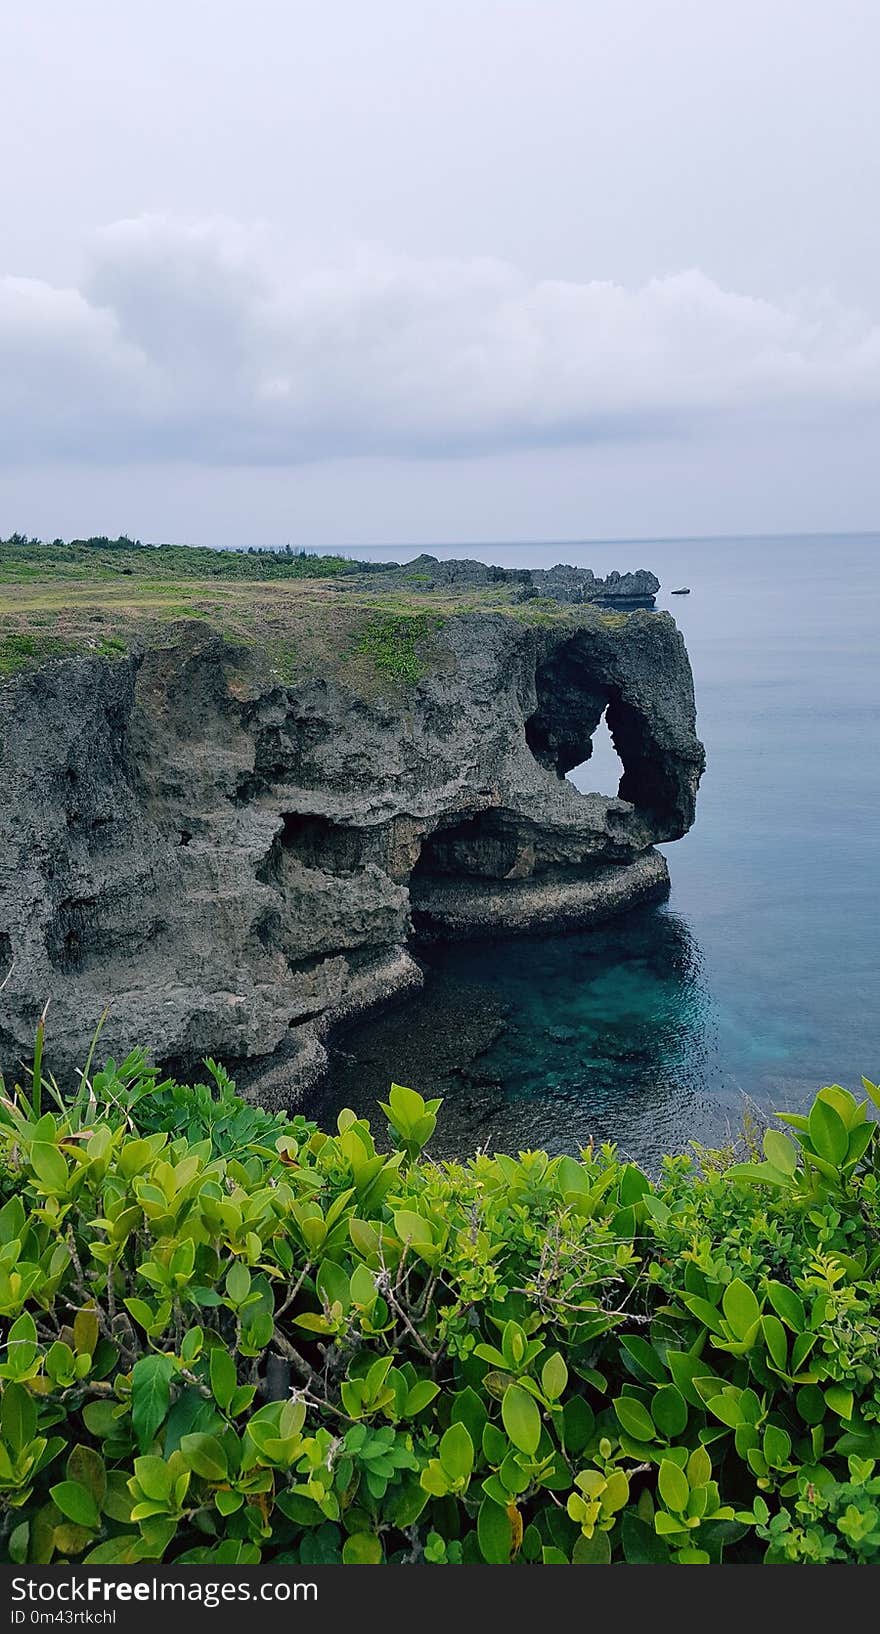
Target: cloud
(210,343)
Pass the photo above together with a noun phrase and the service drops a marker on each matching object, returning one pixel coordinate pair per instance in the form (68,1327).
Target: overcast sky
(419,270)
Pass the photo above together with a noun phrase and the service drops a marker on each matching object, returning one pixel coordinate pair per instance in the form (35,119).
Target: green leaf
(223,1376)
(635,1418)
(154,1477)
(314,1322)
(780,1151)
(406,1105)
(22,1345)
(705,1312)
(666,1525)
(70,1539)
(641,1545)
(775,1340)
(85,1332)
(362,1549)
(87,1468)
(521,1418)
(803,1345)
(860,1139)
(494,1533)
(673,1486)
(495,1489)
(578,1424)
(412,1228)
(456,1453)
(828,1132)
(840,1400)
(554,1376)
(76,1503)
(740,1307)
(644,1356)
(150,1396)
(810,1404)
(141,1311)
(420,1396)
(238,1282)
(844,1104)
(18,1417)
(669,1411)
(205,1456)
(594,1551)
(685,1367)
(191,1346)
(333,1285)
(727,1409)
(777,1446)
(765,1173)
(699,1467)
(19,1539)
(101,1420)
(191,1412)
(787,1304)
(49,1165)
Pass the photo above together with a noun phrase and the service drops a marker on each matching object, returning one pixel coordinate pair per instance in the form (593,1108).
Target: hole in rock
(318,843)
(484,846)
(600,774)
(573,703)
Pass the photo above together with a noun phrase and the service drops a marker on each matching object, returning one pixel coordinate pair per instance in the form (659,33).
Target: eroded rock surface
(238,864)
(562,583)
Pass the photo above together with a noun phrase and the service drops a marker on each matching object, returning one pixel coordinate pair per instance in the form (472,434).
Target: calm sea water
(759,976)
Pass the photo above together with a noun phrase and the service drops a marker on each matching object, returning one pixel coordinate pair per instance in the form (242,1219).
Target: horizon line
(610,539)
(426,547)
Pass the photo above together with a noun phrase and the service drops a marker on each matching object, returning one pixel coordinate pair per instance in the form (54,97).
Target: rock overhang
(237,863)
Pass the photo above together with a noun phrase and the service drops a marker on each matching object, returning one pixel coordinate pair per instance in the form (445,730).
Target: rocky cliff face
(239,863)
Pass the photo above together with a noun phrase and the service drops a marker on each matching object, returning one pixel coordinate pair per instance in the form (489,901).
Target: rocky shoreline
(563,584)
(438,1040)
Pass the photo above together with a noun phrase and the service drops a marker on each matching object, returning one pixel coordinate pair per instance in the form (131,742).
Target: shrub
(299,1348)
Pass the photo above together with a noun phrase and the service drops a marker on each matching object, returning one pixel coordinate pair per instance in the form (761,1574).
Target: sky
(439,270)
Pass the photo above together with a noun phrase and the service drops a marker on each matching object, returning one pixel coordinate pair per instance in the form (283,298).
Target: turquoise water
(759,977)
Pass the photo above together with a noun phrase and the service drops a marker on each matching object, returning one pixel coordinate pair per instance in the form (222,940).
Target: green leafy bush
(262,1344)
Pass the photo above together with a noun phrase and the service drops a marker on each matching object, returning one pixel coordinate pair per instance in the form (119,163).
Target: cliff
(239,853)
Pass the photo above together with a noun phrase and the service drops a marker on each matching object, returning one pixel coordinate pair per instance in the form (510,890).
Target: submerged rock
(237,864)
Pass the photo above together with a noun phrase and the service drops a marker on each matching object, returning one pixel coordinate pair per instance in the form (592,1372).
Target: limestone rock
(234,868)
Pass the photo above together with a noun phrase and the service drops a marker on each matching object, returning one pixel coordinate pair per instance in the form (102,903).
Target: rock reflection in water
(548,1042)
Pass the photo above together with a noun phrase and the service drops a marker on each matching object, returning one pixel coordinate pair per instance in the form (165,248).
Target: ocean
(757,980)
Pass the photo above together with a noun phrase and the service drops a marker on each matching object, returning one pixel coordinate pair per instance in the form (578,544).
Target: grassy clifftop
(107,598)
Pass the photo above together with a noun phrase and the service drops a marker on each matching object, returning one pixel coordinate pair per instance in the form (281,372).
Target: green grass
(19,652)
(395,643)
(289,617)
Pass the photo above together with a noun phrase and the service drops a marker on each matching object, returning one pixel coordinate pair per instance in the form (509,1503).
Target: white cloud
(207,342)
